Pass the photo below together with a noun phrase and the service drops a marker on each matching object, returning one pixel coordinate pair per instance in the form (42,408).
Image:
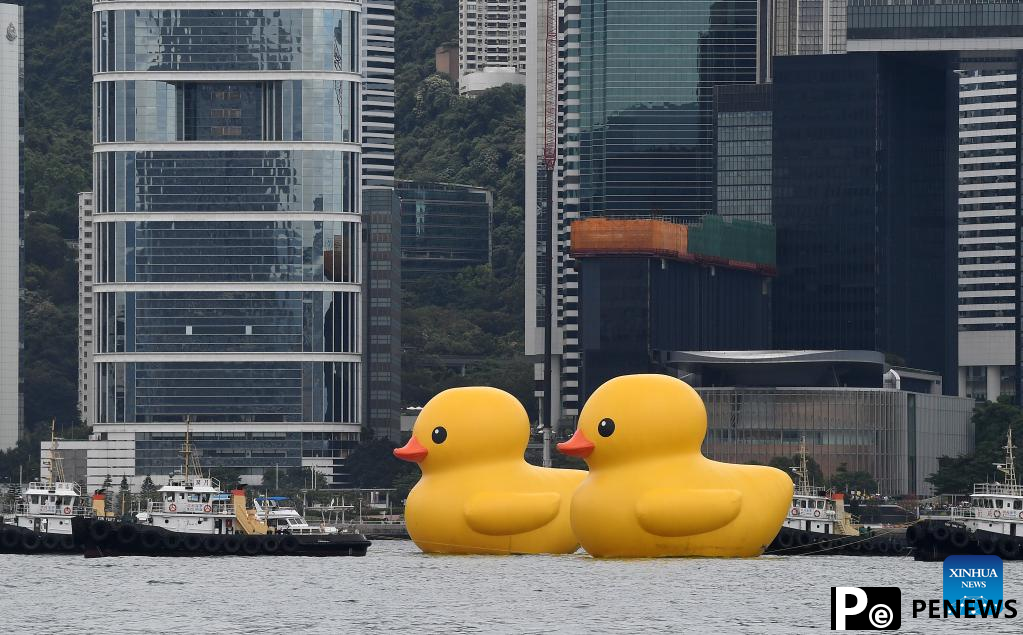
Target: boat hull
(102,538)
(15,539)
(799,542)
(935,540)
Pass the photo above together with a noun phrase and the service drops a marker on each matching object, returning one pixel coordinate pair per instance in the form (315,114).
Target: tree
(124,497)
(787,463)
(148,491)
(991,422)
(230,479)
(847,482)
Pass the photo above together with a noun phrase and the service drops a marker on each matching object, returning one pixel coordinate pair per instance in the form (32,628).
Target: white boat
(812,510)
(995,509)
(191,503)
(47,506)
(281,518)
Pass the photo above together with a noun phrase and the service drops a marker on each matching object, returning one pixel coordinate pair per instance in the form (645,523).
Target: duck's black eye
(606,427)
(439,435)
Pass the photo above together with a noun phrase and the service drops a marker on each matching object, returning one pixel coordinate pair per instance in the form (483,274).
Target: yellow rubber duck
(477,494)
(650,492)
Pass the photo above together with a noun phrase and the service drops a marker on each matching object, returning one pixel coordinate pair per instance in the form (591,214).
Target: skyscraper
(859,155)
(12,206)
(228,228)
(86,315)
(982,43)
(381,217)
(633,93)
(491,44)
(809,27)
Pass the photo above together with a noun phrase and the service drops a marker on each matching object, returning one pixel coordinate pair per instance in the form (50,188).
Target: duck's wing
(687,512)
(505,513)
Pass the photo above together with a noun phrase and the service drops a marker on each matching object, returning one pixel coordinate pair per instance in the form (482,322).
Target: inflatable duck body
(477,494)
(650,492)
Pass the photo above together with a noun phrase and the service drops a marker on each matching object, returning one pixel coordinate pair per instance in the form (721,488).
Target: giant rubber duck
(650,492)
(477,494)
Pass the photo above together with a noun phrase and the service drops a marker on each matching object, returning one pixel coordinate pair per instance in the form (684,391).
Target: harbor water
(396,588)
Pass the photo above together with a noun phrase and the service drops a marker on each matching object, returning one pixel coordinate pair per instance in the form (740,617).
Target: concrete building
(491,44)
(86,316)
(761,404)
(444,227)
(982,44)
(382,221)
(445,59)
(634,133)
(228,232)
(12,206)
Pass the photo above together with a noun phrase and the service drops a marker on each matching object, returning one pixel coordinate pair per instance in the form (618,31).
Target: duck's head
(638,416)
(462,426)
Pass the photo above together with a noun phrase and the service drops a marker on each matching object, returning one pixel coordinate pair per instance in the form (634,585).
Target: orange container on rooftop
(648,237)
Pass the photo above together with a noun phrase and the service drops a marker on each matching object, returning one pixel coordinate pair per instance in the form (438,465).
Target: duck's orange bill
(413,451)
(578,445)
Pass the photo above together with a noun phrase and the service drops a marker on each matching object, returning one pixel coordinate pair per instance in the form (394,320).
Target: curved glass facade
(232,122)
(227,322)
(227,40)
(222,251)
(159,112)
(227,181)
(647,69)
(230,392)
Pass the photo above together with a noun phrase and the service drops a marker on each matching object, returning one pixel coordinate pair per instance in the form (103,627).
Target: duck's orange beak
(413,451)
(578,445)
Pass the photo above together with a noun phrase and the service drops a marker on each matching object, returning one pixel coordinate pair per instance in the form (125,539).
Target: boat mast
(802,473)
(56,469)
(1009,467)
(191,462)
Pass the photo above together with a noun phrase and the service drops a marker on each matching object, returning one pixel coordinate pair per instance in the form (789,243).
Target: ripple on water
(397,588)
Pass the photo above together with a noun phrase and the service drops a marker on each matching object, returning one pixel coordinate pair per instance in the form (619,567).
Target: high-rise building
(444,227)
(228,234)
(12,206)
(381,217)
(864,226)
(742,151)
(809,27)
(86,316)
(491,44)
(632,111)
(983,43)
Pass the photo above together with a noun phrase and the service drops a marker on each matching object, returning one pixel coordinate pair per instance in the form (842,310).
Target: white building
(988,215)
(86,339)
(12,196)
(491,44)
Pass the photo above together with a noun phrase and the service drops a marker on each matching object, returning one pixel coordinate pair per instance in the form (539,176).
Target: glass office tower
(227,185)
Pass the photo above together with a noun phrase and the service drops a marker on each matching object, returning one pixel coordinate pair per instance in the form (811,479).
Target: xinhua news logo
(868,608)
(972,584)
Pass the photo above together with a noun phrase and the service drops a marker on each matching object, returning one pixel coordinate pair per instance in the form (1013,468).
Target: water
(396,588)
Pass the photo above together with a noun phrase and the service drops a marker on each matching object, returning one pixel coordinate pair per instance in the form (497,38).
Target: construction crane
(550,157)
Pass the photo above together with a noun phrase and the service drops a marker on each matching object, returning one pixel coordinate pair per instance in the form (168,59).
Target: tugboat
(991,524)
(42,517)
(818,524)
(194,518)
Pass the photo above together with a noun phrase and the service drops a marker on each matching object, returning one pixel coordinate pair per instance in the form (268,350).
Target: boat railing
(61,489)
(998,489)
(178,507)
(53,510)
